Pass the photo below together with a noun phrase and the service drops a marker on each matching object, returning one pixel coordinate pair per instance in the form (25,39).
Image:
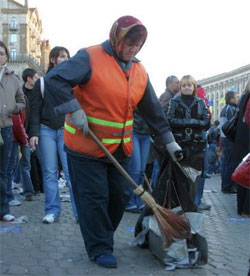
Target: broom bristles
(172,225)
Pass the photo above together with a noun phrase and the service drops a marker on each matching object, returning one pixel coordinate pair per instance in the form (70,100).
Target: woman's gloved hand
(79,119)
(174,151)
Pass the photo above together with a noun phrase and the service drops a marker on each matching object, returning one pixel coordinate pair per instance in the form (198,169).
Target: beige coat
(11,98)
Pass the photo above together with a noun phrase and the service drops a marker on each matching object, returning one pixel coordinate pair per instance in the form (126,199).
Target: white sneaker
(15,202)
(50,218)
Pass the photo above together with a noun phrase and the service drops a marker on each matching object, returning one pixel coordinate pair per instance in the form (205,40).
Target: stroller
(175,189)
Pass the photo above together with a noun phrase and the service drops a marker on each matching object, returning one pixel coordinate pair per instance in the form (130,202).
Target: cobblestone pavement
(57,249)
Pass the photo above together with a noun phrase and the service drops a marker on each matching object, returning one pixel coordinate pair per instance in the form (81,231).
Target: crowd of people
(106,89)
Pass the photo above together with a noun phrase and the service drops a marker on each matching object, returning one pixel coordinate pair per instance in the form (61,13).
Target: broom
(172,225)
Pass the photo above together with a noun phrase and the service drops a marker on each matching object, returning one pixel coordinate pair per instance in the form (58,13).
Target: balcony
(28,59)
(13,27)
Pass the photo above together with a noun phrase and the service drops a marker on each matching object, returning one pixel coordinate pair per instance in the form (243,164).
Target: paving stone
(58,249)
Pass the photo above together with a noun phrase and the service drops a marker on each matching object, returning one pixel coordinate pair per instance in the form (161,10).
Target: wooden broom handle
(112,159)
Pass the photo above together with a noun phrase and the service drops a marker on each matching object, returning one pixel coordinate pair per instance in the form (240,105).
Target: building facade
(217,86)
(21,31)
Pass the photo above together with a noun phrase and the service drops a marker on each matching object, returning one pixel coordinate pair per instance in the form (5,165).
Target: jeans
(226,165)
(11,170)
(25,167)
(201,184)
(101,194)
(51,144)
(5,152)
(137,166)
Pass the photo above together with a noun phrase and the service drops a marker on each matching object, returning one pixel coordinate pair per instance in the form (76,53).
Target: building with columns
(218,85)
(21,31)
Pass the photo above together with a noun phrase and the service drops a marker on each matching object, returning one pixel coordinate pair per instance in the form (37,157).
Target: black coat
(187,123)
(42,112)
(240,149)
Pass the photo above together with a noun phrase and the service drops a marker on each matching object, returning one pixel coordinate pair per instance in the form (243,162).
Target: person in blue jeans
(139,158)
(11,102)
(46,128)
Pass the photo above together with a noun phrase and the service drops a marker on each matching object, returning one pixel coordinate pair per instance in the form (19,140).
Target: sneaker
(8,218)
(107,260)
(50,218)
(15,202)
(28,198)
(203,207)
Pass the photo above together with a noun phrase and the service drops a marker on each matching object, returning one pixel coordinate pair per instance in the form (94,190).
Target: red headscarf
(120,29)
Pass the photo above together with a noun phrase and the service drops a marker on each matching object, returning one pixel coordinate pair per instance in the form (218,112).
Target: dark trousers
(5,152)
(101,194)
(36,170)
(226,165)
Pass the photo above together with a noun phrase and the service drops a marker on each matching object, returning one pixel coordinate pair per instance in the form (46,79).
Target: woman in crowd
(188,116)
(11,102)
(46,129)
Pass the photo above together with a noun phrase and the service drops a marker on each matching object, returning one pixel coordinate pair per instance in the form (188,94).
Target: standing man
(29,77)
(109,82)
(172,88)
(228,111)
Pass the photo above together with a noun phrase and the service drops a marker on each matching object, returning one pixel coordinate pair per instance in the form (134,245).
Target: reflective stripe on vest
(69,128)
(115,141)
(109,123)
(104,140)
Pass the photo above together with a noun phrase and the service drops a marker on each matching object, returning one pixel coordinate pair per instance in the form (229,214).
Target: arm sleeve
(20,100)
(19,130)
(59,82)
(36,105)
(152,112)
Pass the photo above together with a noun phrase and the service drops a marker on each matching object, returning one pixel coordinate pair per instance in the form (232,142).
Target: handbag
(241,174)
(229,127)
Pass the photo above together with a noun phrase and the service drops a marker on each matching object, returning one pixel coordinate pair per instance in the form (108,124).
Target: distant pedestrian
(228,111)
(213,138)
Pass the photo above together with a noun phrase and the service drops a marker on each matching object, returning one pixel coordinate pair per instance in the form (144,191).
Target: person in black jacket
(228,111)
(188,116)
(33,158)
(46,128)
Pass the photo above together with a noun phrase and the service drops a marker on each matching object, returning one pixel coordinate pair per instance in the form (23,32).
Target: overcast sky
(198,37)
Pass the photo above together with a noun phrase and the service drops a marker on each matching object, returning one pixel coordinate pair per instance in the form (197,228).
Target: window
(13,54)
(13,22)
(13,39)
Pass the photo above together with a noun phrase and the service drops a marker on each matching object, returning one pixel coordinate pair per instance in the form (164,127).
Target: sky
(202,38)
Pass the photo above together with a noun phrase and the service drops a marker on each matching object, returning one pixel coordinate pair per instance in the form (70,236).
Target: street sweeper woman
(99,88)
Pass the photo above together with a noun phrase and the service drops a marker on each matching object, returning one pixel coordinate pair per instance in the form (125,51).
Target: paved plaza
(57,249)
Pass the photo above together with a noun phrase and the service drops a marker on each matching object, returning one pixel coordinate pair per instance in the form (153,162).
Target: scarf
(119,31)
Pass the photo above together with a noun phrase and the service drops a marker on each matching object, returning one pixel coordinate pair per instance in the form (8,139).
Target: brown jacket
(165,99)
(11,98)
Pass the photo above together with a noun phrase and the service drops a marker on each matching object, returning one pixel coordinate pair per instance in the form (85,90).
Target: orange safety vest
(108,99)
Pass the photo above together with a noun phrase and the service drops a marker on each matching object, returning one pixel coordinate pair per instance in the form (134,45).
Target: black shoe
(208,175)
